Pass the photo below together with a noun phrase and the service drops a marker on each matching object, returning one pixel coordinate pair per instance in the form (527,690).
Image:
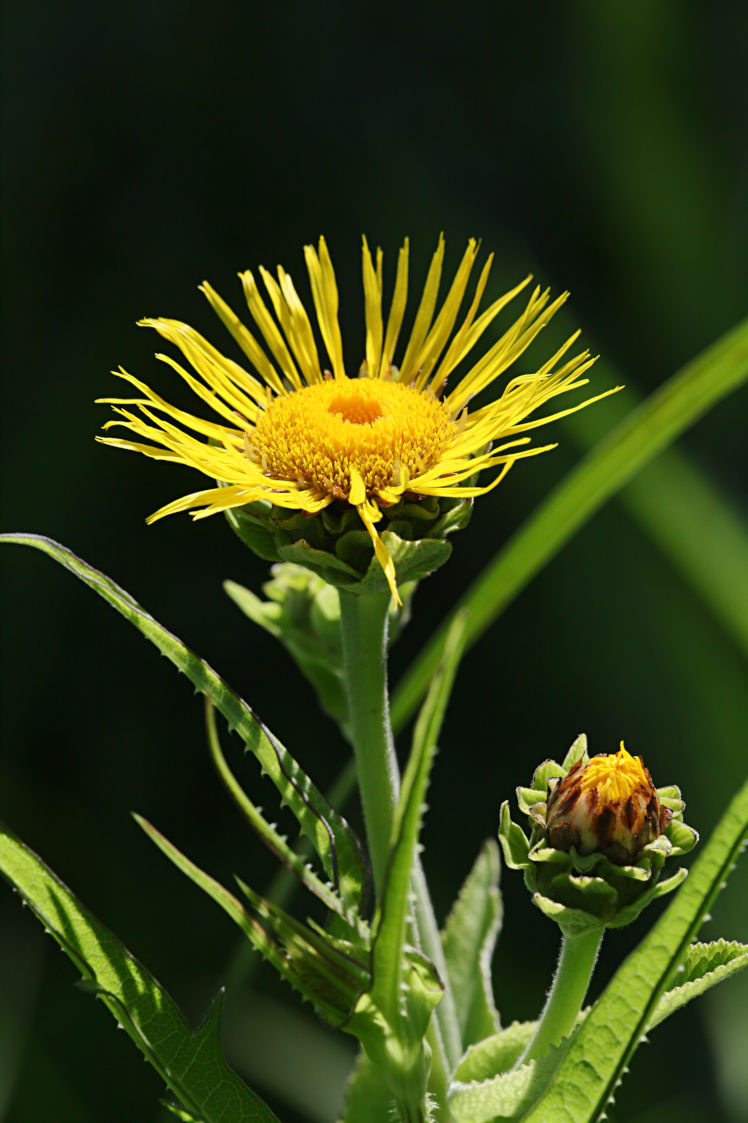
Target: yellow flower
(290,431)
(608,805)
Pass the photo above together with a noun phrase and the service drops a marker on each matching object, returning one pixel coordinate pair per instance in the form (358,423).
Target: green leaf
(514,841)
(703,967)
(303,613)
(334,841)
(645,432)
(495,1054)
(191,1064)
(253,532)
(603,1045)
(275,842)
(468,939)
(507,1095)
(368,1099)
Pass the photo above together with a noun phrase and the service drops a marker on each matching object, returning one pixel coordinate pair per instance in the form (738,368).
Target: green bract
(334,545)
(583,892)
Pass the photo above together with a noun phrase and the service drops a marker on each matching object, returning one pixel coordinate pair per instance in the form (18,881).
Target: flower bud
(608,805)
(600,836)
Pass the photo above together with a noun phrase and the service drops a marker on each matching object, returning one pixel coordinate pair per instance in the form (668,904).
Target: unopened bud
(608,805)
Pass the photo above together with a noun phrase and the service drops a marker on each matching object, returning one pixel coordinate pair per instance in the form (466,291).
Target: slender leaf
(334,841)
(191,1064)
(587,1076)
(469,938)
(649,429)
(275,842)
(693,525)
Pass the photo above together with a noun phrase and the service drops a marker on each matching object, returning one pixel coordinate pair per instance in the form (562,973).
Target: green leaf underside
(644,433)
(468,939)
(191,1064)
(334,841)
(588,1074)
(507,1095)
(495,1054)
(368,1099)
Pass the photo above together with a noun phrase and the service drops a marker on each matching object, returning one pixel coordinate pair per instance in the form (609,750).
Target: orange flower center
(388,432)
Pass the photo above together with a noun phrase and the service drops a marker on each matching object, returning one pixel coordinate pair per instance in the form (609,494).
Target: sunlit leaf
(190,1063)
(334,841)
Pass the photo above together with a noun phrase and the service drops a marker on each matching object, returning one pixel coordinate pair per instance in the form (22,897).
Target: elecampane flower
(305,432)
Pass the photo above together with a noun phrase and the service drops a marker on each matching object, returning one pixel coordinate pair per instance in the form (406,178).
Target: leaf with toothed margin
(190,1063)
(587,1076)
(337,846)
(275,842)
(704,965)
(468,939)
(309,961)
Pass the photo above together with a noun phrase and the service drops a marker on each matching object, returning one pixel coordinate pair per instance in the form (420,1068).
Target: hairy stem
(364,629)
(575,966)
(364,632)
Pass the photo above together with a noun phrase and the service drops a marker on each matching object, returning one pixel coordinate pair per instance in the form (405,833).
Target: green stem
(573,974)
(364,631)
(363,622)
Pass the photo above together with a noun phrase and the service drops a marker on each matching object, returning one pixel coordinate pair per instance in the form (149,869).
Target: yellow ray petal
(325,296)
(372,308)
(382,553)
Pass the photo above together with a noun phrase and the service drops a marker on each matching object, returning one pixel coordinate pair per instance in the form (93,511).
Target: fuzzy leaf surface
(191,1064)
(507,1095)
(334,841)
(469,939)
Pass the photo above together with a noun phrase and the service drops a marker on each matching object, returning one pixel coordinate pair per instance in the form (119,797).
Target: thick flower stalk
(303,432)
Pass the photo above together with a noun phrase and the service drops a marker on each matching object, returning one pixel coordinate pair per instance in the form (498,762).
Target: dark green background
(603,145)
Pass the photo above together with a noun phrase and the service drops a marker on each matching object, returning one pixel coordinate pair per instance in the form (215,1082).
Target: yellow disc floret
(386,432)
(615,777)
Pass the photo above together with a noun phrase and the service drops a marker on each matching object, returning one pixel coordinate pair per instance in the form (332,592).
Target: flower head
(290,431)
(600,836)
(608,805)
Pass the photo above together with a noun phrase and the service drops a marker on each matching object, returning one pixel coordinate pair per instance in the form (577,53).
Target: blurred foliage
(148,150)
